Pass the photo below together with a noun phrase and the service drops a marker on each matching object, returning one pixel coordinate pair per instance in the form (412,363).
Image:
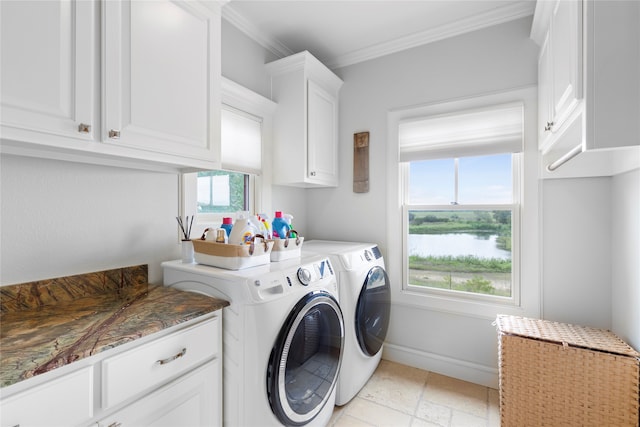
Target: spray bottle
(288,218)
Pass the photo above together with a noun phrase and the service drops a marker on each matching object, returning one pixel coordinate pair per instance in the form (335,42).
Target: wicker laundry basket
(556,374)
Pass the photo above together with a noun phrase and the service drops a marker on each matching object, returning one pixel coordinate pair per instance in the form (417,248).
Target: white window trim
(526,301)
(242,99)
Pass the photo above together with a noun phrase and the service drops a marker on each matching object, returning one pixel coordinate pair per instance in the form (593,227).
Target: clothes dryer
(365,299)
(283,338)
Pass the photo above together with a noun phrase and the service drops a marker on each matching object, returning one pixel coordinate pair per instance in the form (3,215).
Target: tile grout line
(415,409)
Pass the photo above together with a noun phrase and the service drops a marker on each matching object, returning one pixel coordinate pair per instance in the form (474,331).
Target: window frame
(528,301)
(241,99)
(514,207)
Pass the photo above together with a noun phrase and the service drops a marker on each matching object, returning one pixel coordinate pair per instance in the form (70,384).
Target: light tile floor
(399,395)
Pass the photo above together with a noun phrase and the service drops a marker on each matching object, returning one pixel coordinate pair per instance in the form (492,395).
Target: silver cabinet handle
(115,424)
(84,128)
(312,173)
(548,127)
(172,358)
(114,134)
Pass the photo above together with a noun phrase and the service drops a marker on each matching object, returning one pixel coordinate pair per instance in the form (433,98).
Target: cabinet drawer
(149,365)
(64,402)
(191,400)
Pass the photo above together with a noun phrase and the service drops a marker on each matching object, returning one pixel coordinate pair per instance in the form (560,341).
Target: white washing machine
(365,299)
(283,338)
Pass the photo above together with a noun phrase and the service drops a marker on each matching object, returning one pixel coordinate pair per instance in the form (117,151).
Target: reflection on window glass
(484,180)
(221,192)
(460,250)
(432,182)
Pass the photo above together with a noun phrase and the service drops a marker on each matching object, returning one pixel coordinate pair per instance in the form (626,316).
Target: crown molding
(240,22)
(500,15)
(509,12)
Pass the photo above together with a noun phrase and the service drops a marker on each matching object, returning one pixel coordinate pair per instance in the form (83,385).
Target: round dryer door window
(372,311)
(304,362)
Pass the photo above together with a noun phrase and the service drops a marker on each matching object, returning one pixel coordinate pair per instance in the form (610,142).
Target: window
(493,181)
(242,182)
(460,210)
(221,192)
(460,216)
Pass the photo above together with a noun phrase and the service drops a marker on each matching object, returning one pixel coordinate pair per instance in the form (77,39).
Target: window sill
(468,305)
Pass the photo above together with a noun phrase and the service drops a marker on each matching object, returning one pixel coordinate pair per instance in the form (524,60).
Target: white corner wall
(576,251)
(625,256)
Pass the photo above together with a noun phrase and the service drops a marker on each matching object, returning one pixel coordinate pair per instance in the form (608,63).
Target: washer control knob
(368,255)
(304,276)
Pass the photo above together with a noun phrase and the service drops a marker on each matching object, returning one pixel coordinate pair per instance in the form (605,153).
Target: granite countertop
(48,324)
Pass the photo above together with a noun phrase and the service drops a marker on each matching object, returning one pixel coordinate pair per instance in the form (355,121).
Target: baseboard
(463,370)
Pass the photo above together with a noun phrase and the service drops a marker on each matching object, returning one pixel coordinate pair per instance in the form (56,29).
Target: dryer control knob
(304,276)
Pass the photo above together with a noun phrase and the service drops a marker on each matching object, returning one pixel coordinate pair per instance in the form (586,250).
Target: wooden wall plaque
(361,162)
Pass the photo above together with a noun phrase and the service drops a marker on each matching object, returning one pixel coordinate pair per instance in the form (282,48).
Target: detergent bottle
(227,224)
(243,230)
(280,226)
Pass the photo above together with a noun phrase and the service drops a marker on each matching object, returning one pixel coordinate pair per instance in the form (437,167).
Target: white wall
(62,218)
(243,60)
(488,60)
(576,251)
(625,256)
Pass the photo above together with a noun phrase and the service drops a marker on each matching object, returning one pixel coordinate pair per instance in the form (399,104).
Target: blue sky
(482,180)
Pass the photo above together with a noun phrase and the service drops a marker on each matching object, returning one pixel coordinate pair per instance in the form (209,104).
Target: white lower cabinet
(172,378)
(63,402)
(188,401)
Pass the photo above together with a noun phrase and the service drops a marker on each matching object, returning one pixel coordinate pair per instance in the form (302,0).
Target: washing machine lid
(373,311)
(305,359)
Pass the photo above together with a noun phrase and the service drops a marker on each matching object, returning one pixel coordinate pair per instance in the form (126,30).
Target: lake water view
(455,244)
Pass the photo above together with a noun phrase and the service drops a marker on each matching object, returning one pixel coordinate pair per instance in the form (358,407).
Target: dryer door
(372,311)
(305,360)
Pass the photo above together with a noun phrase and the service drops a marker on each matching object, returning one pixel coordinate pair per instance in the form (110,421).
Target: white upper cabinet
(589,91)
(305,152)
(161,90)
(117,81)
(48,69)
(559,69)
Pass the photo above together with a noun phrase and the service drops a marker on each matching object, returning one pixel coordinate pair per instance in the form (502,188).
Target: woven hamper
(556,374)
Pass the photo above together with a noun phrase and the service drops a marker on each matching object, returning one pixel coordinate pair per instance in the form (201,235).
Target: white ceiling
(345,32)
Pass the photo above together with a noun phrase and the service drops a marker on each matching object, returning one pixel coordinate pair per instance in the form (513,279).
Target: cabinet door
(566,58)
(62,402)
(545,115)
(193,400)
(322,143)
(162,76)
(48,68)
